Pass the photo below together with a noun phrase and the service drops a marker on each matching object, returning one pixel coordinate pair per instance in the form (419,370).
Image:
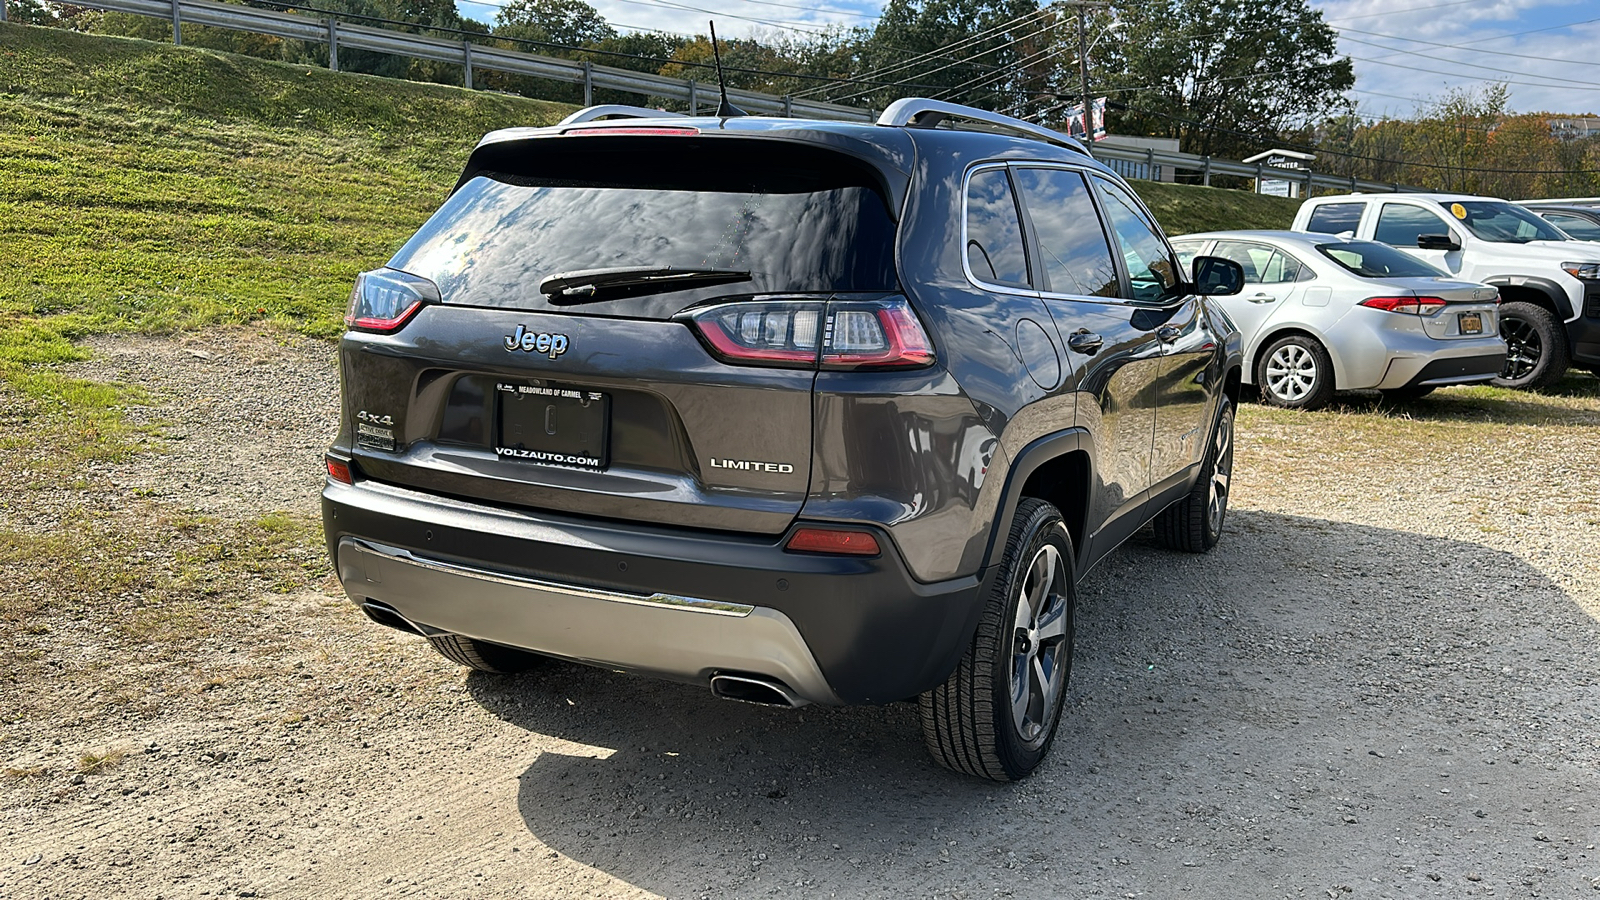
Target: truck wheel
(1296,372)
(996,716)
(484,656)
(1536,347)
(1194,524)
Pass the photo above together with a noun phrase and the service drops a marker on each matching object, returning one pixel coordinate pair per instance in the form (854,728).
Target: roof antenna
(725,109)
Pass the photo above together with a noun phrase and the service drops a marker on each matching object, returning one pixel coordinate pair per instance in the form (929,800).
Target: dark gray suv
(807,412)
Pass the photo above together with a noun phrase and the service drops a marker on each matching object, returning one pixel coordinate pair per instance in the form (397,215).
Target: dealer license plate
(554,425)
(1471,323)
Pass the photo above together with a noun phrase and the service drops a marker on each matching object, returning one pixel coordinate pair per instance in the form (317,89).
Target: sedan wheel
(1296,372)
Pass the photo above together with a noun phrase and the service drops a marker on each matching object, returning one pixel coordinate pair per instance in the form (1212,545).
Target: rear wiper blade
(590,285)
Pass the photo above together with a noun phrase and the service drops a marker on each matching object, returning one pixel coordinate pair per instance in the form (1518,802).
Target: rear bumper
(666,602)
(1444,370)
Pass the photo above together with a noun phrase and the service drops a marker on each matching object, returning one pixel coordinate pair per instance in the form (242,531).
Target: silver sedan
(1321,314)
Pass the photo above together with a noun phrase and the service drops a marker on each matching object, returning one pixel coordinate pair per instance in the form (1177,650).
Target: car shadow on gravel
(1267,716)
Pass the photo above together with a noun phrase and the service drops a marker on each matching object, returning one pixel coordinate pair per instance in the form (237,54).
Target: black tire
(1296,372)
(1194,524)
(1407,394)
(970,722)
(1536,347)
(484,656)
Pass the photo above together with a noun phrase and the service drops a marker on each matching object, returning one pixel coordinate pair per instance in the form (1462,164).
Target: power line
(1574,86)
(967,59)
(1395,37)
(938,52)
(1396,12)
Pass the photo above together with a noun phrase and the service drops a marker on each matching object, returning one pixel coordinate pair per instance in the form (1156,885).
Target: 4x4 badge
(552,345)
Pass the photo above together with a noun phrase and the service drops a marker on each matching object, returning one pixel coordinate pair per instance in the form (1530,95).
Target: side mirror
(1436,242)
(1217,277)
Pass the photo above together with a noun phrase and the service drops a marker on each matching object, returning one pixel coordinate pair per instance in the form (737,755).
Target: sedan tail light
(810,334)
(384,300)
(1416,306)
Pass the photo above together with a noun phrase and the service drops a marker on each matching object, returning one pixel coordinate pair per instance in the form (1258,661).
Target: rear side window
(796,219)
(1399,224)
(1576,226)
(1261,264)
(1152,272)
(1335,218)
(1072,246)
(995,250)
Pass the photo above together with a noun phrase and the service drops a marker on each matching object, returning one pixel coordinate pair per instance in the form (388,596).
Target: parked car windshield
(1503,223)
(1370,259)
(801,223)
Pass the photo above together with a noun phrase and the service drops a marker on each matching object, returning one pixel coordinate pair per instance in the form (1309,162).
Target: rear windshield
(1370,259)
(797,219)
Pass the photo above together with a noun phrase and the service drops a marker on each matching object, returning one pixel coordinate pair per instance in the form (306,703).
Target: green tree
(1221,76)
(570,22)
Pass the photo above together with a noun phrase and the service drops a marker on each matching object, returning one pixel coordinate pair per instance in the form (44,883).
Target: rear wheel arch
(1538,291)
(1253,363)
(1057,468)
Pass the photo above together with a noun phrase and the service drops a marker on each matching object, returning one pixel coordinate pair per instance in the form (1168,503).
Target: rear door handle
(1085,341)
(1168,333)
(1261,298)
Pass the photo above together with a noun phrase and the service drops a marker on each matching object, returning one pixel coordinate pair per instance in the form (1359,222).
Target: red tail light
(864,334)
(832,540)
(384,300)
(869,335)
(1416,306)
(339,471)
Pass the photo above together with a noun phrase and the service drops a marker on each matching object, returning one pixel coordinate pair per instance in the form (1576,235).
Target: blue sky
(1406,51)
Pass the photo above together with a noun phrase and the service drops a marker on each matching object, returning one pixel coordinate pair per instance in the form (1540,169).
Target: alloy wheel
(1291,372)
(1221,474)
(1039,646)
(1523,347)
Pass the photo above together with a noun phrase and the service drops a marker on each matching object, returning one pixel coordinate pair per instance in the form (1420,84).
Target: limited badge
(1458,211)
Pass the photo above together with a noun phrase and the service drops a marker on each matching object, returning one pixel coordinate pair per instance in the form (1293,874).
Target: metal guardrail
(1207,166)
(471,56)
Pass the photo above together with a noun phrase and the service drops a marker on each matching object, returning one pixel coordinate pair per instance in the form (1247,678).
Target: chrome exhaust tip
(755,689)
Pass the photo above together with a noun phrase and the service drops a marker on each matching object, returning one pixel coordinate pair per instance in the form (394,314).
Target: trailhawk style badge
(552,345)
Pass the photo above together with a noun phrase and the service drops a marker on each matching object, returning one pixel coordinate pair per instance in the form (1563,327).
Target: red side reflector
(829,540)
(679,132)
(339,471)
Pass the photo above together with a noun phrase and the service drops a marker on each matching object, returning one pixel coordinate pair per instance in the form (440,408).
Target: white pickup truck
(1549,283)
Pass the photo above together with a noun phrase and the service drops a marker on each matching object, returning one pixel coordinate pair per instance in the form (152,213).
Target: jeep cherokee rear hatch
(626,326)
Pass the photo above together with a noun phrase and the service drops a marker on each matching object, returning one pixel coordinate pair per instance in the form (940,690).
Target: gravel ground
(1383,683)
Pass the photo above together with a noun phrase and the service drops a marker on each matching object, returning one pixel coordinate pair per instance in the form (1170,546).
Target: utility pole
(1083,59)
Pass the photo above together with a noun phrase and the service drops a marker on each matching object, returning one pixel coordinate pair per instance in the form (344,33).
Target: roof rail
(920,112)
(615,111)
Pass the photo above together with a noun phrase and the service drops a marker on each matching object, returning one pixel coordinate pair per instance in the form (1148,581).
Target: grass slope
(146,187)
(1185,209)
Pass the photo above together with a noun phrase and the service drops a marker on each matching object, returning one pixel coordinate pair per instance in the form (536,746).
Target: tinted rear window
(798,219)
(1373,260)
